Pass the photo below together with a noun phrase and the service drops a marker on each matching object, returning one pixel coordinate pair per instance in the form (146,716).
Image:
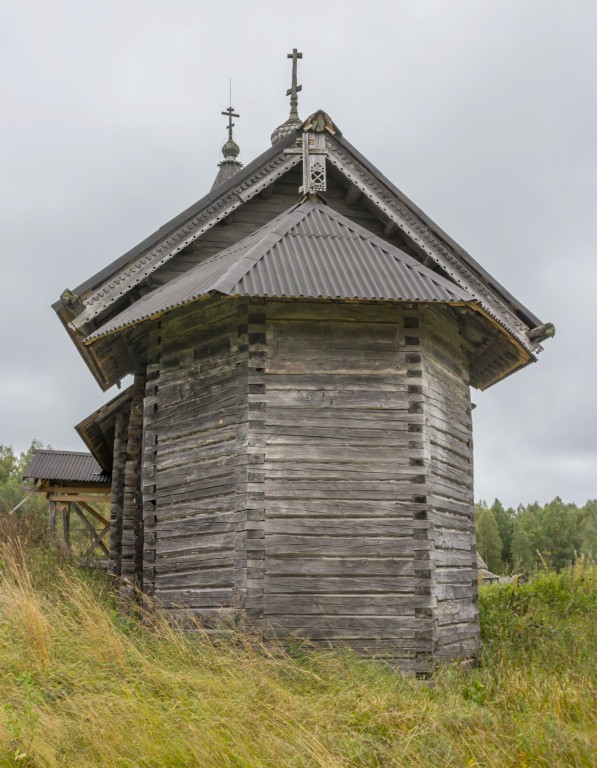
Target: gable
(308,252)
(255,195)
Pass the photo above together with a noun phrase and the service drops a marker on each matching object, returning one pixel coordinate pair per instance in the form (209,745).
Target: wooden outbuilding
(296,445)
(74,484)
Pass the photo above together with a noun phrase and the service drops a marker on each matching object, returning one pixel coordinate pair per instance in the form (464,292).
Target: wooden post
(132,510)
(117,494)
(66,527)
(52,524)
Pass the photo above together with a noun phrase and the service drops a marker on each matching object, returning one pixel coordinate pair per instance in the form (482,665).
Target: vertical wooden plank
(132,510)
(117,491)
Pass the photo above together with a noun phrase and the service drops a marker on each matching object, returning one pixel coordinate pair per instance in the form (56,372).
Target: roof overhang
(98,429)
(54,468)
(107,294)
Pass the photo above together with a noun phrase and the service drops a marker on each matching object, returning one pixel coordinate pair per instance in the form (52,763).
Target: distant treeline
(522,539)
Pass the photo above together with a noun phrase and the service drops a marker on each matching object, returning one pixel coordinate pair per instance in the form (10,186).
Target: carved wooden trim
(121,283)
(418,233)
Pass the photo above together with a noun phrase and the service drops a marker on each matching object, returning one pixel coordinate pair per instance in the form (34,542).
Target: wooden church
(295,448)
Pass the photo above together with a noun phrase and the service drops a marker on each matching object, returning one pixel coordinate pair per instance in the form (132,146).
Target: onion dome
(294,120)
(230,164)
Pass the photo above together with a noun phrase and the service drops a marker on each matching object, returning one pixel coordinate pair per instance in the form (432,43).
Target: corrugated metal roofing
(309,251)
(459,252)
(72,466)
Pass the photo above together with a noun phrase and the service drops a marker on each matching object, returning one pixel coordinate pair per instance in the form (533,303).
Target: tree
(528,542)
(8,463)
(588,529)
(489,543)
(12,467)
(504,519)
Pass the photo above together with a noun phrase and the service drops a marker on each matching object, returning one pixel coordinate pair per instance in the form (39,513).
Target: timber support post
(117,493)
(66,528)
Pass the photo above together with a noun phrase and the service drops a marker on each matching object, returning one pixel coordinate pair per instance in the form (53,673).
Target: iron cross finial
(230,113)
(292,92)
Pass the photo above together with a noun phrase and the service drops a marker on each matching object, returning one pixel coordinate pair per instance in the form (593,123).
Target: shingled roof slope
(309,251)
(70,466)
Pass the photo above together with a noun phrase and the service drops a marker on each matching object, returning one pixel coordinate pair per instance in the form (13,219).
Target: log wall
(196,463)
(449,448)
(117,492)
(131,549)
(308,466)
(344,487)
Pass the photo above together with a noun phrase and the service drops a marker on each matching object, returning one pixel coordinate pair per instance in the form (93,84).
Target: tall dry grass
(81,686)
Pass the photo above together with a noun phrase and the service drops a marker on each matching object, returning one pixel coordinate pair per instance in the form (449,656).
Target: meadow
(82,686)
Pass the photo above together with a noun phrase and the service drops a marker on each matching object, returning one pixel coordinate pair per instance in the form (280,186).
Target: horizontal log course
(311,467)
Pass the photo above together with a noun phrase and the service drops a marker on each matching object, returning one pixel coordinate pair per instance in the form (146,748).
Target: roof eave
(171,226)
(530,318)
(85,352)
(98,418)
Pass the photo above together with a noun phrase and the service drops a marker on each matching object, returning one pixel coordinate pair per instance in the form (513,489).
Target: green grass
(81,686)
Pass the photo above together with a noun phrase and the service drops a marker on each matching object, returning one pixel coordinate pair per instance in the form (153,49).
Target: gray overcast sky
(482,111)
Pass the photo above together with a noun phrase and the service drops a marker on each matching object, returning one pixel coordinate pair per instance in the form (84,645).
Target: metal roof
(71,466)
(309,251)
(486,278)
(221,189)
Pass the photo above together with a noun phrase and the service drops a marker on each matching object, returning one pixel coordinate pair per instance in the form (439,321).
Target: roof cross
(230,113)
(292,92)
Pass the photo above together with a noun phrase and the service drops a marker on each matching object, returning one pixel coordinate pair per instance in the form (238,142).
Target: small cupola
(230,164)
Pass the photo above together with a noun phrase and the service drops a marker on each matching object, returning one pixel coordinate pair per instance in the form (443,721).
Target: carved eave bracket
(71,302)
(541,333)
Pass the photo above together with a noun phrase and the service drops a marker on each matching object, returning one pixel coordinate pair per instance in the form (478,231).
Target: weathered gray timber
(295,474)
(296,450)
(131,559)
(117,495)
(196,466)
(449,481)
